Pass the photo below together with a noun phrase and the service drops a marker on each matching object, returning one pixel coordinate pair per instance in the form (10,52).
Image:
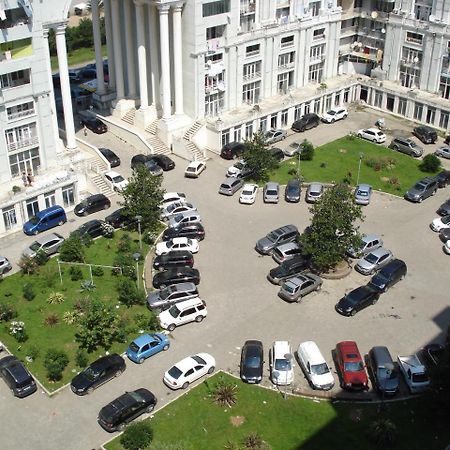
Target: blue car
(147,345)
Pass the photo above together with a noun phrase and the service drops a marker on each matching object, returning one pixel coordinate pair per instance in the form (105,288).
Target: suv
(444,209)
(232,149)
(389,275)
(422,189)
(172,294)
(92,204)
(282,235)
(288,269)
(17,377)
(176,258)
(190,230)
(426,134)
(306,122)
(277,153)
(407,146)
(384,374)
(186,311)
(176,275)
(231,185)
(271,192)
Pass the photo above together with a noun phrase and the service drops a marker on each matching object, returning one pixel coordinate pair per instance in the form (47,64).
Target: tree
(129,294)
(440,385)
(72,249)
(307,151)
(332,230)
(142,196)
(430,163)
(257,158)
(137,436)
(55,362)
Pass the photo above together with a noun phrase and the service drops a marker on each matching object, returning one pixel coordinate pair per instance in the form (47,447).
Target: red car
(351,366)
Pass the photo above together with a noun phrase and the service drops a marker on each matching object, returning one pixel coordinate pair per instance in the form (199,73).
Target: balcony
(248,8)
(251,76)
(284,66)
(20,114)
(212,88)
(32,140)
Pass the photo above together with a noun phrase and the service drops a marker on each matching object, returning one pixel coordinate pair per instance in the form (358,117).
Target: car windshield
(355,366)
(387,374)
(412,144)
(446,220)
(191,169)
(351,299)
(138,398)
(118,179)
(171,207)
(419,377)
(199,360)
(175,372)
(272,192)
(35,246)
(319,369)
(419,186)
(282,364)
(270,134)
(134,347)
(314,193)
(381,278)
(239,166)
(225,186)
(164,293)
(174,311)
(253,361)
(178,218)
(331,112)
(273,236)
(362,193)
(34,220)
(90,374)
(247,192)
(371,258)
(290,288)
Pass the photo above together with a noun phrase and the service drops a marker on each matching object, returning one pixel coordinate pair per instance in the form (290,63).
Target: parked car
(431,354)
(423,189)
(93,228)
(94,124)
(293,191)
(444,209)
(190,230)
(48,244)
(393,272)
(194,169)
(87,74)
(443,178)
(121,411)
(281,363)
(446,247)
(92,204)
(146,345)
(351,366)
(175,258)
(179,243)
(45,219)
(295,288)
(271,192)
(384,373)
(273,136)
(444,234)
(188,370)
(139,159)
(238,170)
(405,145)
(110,156)
(282,235)
(252,362)
(314,192)
(170,197)
(5,265)
(147,161)
(176,208)
(372,134)
(292,149)
(443,152)
(248,194)
(374,261)
(118,219)
(99,372)
(336,113)
(17,377)
(426,134)
(116,181)
(191,310)
(288,269)
(184,218)
(276,153)
(286,251)
(306,122)
(314,366)
(447,140)
(363,192)
(176,275)
(356,300)
(231,185)
(440,223)
(232,150)
(168,296)
(163,161)
(369,242)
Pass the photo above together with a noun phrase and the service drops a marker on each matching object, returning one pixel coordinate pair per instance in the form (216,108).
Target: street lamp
(139,218)
(137,257)
(361,156)
(299,151)
(289,357)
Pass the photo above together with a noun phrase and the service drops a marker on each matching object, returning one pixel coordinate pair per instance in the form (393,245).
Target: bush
(81,305)
(34,352)
(28,265)
(149,237)
(75,273)
(81,358)
(7,312)
(307,153)
(55,362)
(55,298)
(225,393)
(137,436)
(70,317)
(28,292)
(127,263)
(50,275)
(87,285)
(87,240)
(107,230)
(51,320)
(129,294)
(97,271)
(430,163)
(41,258)
(383,432)
(17,330)
(124,244)
(72,249)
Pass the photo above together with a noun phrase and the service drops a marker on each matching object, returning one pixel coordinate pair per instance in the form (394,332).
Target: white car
(334,114)
(189,369)
(248,194)
(194,169)
(171,197)
(117,181)
(175,208)
(292,149)
(236,169)
(180,243)
(440,223)
(372,134)
(281,363)
(314,366)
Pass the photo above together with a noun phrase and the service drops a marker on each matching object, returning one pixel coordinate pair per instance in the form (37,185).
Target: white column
(165,58)
(98,48)
(61,50)
(118,62)
(142,58)
(154,60)
(129,27)
(109,45)
(178,58)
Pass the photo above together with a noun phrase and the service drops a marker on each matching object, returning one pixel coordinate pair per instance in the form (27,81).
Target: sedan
(271,192)
(176,276)
(94,124)
(363,193)
(194,169)
(444,209)
(372,134)
(248,194)
(190,230)
(180,243)
(351,366)
(334,114)
(117,218)
(443,152)
(440,223)
(147,345)
(110,156)
(293,191)
(273,136)
(189,369)
(358,299)
(48,244)
(280,361)
(252,362)
(175,208)
(92,228)
(294,289)
(116,181)
(292,149)
(374,261)
(286,251)
(163,161)
(5,265)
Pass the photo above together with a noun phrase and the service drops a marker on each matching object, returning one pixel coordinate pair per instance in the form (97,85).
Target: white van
(190,310)
(314,366)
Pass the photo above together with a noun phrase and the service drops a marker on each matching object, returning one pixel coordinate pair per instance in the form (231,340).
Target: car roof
(363,187)
(107,360)
(16,368)
(314,355)
(287,246)
(187,363)
(189,302)
(281,348)
(370,237)
(392,265)
(113,174)
(315,187)
(182,287)
(48,237)
(349,350)
(143,339)
(379,251)
(169,195)
(272,185)
(179,240)
(249,186)
(195,163)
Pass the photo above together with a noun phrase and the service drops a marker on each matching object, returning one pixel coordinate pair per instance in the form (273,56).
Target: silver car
(230,186)
(374,261)
(443,152)
(48,244)
(293,289)
(271,192)
(369,242)
(5,265)
(314,192)
(286,251)
(363,193)
(184,218)
(273,136)
(166,297)
(176,208)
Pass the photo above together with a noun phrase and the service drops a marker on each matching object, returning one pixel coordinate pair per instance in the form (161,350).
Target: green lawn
(78,57)
(296,423)
(61,336)
(338,160)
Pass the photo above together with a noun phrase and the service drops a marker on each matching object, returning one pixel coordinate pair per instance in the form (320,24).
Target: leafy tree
(55,361)
(137,436)
(81,358)
(307,151)
(41,258)
(258,159)
(28,292)
(129,294)
(72,249)
(430,163)
(142,197)
(28,265)
(332,230)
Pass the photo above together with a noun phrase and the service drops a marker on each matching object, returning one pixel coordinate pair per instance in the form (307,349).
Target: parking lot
(243,305)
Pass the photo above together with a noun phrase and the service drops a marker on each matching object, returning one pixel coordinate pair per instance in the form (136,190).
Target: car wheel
(333,120)
(85,213)
(185,385)
(171,327)
(374,300)
(359,135)
(199,319)
(166,347)
(150,408)
(353,312)
(106,206)
(121,427)
(434,192)
(345,116)
(141,360)
(211,370)
(61,222)
(395,147)
(90,390)
(420,200)
(118,373)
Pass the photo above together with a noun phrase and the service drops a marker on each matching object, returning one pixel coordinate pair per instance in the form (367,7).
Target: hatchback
(358,299)
(170,197)
(163,161)
(393,272)
(351,366)
(178,243)
(281,363)
(293,191)
(337,113)
(176,275)
(288,269)
(308,121)
(116,181)
(239,170)
(176,208)
(49,244)
(17,377)
(363,193)
(295,288)
(5,265)
(369,242)
(94,124)
(271,192)
(170,295)
(184,218)
(282,235)
(424,188)
(314,192)
(252,362)
(374,261)
(286,251)
(147,345)
(440,223)
(273,136)
(93,228)
(194,169)
(248,194)
(175,258)
(190,230)
(92,204)
(444,209)
(372,134)
(407,146)
(230,186)
(426,134)
(110,156)
(118,219)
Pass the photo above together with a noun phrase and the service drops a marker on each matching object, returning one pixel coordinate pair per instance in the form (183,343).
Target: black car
(444,235)
(189,230)
(92,204)
(443,178)
(292,191)
(177,258)
(138,159)
(306,122)
(110,156)
(175,276)
(277,153)
(252,362)
(356,300)
(17,377)
(92,228)
(94,124)
(163,161)
(117,219)
(426,134)
(146,160)
(87,74)
(447,140)
(390,274)
(232,150)
(444,209)
(431,354)
(289,268)
(99,372)
(115,415)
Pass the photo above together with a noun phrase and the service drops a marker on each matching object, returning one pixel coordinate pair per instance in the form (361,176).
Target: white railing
(288,65)
(19,114)
(251,76)
(23,143)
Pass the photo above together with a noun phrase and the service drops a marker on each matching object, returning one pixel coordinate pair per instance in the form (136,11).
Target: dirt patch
(237,421)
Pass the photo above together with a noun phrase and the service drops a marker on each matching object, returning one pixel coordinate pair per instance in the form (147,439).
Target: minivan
(314,366)
(232,150)
(389,275)
(92,204)
(384,374)
(45,219)
(190,310)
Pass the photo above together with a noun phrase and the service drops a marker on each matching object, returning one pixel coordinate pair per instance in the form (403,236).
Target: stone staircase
(96,167)
(197,154)
(102,186)
(129,116)
(192,130)
(152,128)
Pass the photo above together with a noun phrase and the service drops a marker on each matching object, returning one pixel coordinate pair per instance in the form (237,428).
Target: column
(109,45)
(165,58)
(178,58)
(154,60)
(142,58)
(129,26)
(98,48)
(65,86)
(118,62)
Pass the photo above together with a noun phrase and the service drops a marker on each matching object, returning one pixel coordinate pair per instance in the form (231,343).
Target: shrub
(97,271)
(307,153)
(383,432)
(34,352)
(137,436)
(72,249)
(254,442)
(50,275)
(126,262)
(7,312)
(55,298)
(81,358)
(430,163)
(17,330)
(55,362)
(224,393)
(107,230)
(41,258)
(70,317)
(51,320)
(28,292)
(149,237)
(87,285)
(75,273)
(124,244)
(129,294)
(82,304)
(87,240)
(28,265)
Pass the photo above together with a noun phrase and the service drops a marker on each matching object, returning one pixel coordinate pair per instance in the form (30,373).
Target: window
(237,134)
(337,99)
(357,4)
(18,111)
(215,82)
(422,11)
(287,41)
(443,121)
(13,79)
(32,207)
(50,199)
(214,104)
(9,217)
(328,102)
(27,161)
(315,72)
(218,57)
(68,195)
(444,86)
(214,8)
(285,81)
(409,76)
(263,124)
(418,111)
(252,50)
(411,56)
(298,112)
(252,70)
(273,121)
(249,130)
(317,106)
(225,137)
(307,107)
(378,99)
(286,60)
(215,32)
(414,38)
(314,7)
(317,51)
(346,95)
(402,107)
(21,136)
(318,34)
(284,117)
(431,115)
(250,92)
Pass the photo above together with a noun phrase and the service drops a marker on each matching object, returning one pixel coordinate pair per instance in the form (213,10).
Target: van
(384,374)
(45,219)
(190,310)
(232,150)
(314,366)
(390,274)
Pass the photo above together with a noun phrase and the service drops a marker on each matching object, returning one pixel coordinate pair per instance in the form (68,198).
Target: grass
(62,336)
(294,423)
(78,57)
(338,161)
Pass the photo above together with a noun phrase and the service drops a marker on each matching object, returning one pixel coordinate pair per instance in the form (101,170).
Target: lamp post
(137,257)
(139,218)
(289,357)
(299,151)
(361,156)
